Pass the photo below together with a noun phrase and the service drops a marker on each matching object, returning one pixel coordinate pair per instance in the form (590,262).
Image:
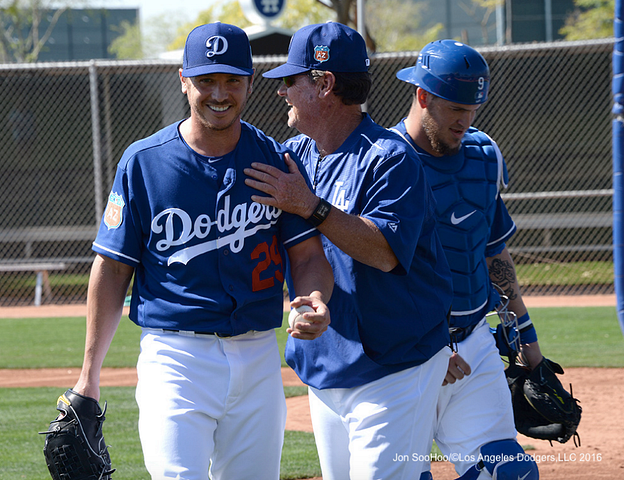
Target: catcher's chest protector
(466,187)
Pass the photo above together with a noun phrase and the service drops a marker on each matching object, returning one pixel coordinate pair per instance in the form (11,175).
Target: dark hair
(353,88)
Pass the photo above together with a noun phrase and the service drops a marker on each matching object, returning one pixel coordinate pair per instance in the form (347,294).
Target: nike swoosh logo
(457,220)
(526,475)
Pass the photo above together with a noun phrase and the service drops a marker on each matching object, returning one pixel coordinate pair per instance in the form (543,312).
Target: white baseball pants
(477,409)
(208,404)
(381,430)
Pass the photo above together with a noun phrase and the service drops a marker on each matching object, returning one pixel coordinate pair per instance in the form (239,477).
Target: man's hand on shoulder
(287,191)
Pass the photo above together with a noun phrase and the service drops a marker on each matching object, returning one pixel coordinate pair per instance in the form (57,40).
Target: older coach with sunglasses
(375,375)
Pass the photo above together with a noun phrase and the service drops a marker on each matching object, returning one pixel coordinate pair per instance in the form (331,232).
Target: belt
(460,334)
(189,333)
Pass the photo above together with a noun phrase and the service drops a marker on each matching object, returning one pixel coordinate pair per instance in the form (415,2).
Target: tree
(481,11)
(149,40)
(395,25)
(298,13)
(128,45)
(591,19)
(346,13)
(345,10)
(225,11)
(26,27)
(304,12)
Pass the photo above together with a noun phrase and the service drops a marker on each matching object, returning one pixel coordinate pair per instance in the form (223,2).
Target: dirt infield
(600,391)
(533,301)
(599,457)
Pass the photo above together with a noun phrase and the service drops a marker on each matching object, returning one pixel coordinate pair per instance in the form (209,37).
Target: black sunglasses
(289,81)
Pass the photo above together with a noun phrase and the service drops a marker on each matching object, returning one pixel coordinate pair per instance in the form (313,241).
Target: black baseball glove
(74,445)
(543,409)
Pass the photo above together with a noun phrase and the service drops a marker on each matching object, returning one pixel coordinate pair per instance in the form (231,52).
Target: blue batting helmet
(450,70)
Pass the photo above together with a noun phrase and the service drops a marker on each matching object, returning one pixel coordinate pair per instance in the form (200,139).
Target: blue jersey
(473,221)
(206,257)
(381,323)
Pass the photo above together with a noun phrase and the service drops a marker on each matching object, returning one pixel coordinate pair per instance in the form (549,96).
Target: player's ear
(422,97)
(183,82)
(326,83)
(251,80)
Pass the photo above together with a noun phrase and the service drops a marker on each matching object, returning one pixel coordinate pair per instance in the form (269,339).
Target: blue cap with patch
(331,46)
(217,48)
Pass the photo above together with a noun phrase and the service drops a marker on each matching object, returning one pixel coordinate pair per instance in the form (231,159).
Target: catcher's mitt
(543,409)
(74,445)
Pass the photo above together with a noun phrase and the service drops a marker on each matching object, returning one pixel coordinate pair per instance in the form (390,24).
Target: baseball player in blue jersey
(208,265)
(374,376)
(466,171)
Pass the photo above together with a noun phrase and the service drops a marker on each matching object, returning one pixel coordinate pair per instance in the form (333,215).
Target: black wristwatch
(320,213)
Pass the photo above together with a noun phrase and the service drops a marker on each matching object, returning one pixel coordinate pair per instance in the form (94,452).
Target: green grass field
(20,286)
(571,336)
(565,273)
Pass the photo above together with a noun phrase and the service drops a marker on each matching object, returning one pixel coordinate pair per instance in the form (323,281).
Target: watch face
(321,212)
(323,209)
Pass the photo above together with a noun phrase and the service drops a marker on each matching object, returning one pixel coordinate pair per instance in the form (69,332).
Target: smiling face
(217,100)
(445,123)
(301,94)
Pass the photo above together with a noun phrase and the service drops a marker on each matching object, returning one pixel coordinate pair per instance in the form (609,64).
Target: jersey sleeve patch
(114,211)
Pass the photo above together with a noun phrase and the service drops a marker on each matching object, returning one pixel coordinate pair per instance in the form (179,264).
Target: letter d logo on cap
(217,45)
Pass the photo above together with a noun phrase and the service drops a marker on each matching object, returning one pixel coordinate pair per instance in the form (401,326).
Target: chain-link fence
(63,127)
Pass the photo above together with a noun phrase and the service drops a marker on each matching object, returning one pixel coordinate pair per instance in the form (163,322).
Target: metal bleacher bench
(42,286)
(41,266)
(547,222)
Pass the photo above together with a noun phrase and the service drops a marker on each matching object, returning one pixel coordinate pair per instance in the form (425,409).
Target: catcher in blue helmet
(476,422)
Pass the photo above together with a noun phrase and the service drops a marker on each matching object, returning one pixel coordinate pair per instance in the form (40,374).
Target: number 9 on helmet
(450,70)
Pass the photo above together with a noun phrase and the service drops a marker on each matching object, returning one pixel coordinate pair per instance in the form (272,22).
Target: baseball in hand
(296,315)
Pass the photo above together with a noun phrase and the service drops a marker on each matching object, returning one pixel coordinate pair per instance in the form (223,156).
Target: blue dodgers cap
(217,48)
(331,46)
